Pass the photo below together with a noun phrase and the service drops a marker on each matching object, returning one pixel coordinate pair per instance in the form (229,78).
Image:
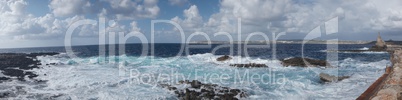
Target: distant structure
(379,45)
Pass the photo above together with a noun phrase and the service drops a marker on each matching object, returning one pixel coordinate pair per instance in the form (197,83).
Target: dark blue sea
(136,72)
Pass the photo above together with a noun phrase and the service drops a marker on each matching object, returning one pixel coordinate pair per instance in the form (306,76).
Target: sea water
(131,76)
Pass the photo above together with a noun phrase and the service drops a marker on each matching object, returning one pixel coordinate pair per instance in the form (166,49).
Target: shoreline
(283,42)
(17,65)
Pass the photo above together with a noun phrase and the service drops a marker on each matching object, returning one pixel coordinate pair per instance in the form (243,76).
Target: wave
(364,48)
(131,77)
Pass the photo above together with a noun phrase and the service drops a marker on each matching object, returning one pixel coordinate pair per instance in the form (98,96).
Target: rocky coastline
(195,90)
(17,65)
(304,62)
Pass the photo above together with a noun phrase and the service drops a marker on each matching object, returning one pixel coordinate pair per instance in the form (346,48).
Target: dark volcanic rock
(298,61)
(4,79)
(15,73)
(223,58)
(42,54)
(17,64)
(196,84)
(329,78)
(201,91)
(249,65)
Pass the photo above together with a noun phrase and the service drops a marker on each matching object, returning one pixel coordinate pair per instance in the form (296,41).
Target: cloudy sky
(32,23)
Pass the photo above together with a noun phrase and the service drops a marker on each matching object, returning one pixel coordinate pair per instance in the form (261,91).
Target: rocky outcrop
(300,62)
(249,65)
(200,91)
(17,65)
(223,58)
(330,78)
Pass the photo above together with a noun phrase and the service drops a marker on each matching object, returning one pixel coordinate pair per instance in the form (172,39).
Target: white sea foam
(364,48)
(88,78)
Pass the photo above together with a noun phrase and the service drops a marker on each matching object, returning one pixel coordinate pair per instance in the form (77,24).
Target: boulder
(223,58)
(196,84)
(298,61)
(330,78)
(201,91)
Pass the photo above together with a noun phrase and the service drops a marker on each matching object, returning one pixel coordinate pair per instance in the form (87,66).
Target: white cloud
(69,7)
(134,26)
(114,9)
(128,9)
(255,15)
(356,17)
(178,2)
(192,20)
(14,20)
(21,25)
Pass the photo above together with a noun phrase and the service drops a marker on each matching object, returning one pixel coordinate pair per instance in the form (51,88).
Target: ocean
(136,75)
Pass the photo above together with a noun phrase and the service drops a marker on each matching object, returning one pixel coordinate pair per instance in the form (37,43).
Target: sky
(38,23)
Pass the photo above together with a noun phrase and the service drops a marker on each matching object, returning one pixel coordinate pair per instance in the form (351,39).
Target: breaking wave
(92,78)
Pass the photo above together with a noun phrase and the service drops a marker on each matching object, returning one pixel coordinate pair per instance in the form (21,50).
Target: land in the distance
(296,42)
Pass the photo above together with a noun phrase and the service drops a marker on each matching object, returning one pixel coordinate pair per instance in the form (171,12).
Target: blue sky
(32,23)
(206,9)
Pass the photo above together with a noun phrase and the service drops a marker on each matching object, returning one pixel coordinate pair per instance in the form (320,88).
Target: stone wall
(391,88)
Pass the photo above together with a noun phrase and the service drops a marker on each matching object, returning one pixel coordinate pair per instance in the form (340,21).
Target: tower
(380,43)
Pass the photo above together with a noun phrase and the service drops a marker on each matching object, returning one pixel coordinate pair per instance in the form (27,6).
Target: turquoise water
(136,77)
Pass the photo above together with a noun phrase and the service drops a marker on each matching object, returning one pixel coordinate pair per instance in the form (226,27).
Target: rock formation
(226,57)
(200,91)
(223,58)
(18,64)
(299,62)
(329,78)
